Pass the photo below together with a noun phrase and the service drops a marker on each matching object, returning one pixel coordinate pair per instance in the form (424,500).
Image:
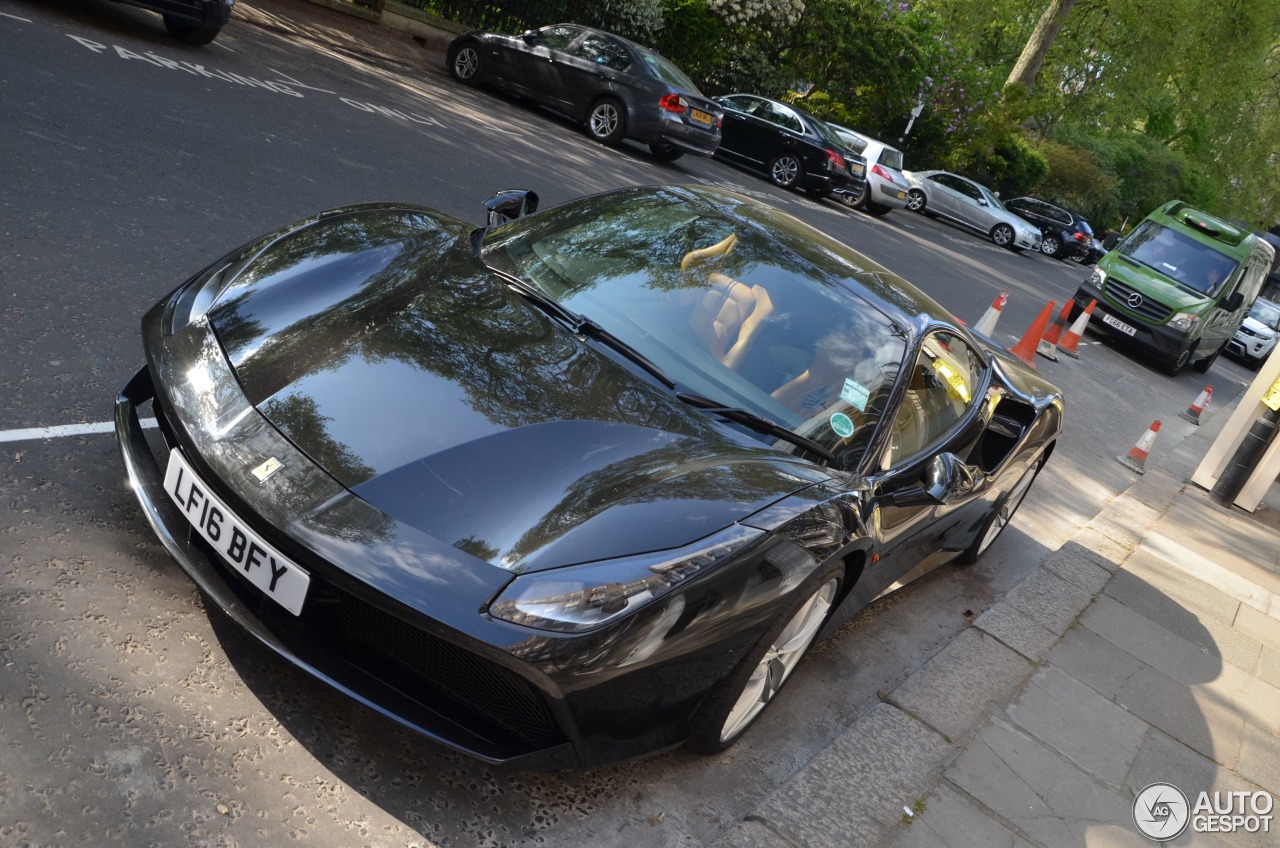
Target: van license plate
(1119,325)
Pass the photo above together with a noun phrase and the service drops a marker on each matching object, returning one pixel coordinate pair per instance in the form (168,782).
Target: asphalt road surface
(128,714)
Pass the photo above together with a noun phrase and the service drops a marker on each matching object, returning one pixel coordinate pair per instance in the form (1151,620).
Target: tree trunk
(1028,66)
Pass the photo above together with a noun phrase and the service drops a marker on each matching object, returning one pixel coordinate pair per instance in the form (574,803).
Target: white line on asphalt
(16,18)
(32,434)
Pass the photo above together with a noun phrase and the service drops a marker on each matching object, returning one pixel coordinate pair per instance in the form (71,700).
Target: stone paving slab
(1080,566)
(1111,554)
(854,791)
(1094,661)
(952,820)
(1017,630)
(1169,597)
(953,691)
(1034,789)
(1260,761)
(1048,600)
(1195,718)
(1077,722)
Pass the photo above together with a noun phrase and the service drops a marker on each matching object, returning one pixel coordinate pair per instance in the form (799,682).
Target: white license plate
(283,581)
(1119,325)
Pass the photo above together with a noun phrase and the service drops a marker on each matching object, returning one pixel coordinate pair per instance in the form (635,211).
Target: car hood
(1258,328)
(420,382)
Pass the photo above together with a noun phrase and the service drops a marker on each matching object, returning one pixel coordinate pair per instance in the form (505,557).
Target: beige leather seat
(726,315)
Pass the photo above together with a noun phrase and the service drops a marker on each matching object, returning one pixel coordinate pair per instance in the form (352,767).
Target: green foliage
(1078,181)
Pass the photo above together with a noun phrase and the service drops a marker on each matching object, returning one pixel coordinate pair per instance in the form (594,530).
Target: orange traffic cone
(1026,349)
(1137,458)
(1071,340)
(987,323)
(1197,406)
(1048,347)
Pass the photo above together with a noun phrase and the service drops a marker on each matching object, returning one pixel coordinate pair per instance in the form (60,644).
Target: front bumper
(1165,342)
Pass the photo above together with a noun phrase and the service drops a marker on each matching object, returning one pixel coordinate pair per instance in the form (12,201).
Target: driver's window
(944,383)
(558,37)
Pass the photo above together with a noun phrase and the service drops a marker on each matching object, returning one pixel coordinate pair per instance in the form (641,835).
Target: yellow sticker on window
(956,385)
(1272,397)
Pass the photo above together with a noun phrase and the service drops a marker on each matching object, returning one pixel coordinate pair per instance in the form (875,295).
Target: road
(128,714)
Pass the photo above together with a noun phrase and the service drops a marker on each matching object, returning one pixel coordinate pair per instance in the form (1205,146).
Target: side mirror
(510,204)
(530,37)
(1234,301)
(982,201)
(946,477)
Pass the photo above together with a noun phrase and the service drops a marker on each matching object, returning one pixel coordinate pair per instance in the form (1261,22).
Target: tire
(847,199)
(1051,246)
(876,210)
(1000,517)
(1002,235)
(1202,366)
(1173,367)
(607,121)
(189,32)
(737,701)
(916,201)
(665,152)
(465,63)
(785,171)
(860,200)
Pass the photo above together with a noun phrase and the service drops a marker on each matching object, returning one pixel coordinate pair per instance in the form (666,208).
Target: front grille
(1149,310)
(1248,332)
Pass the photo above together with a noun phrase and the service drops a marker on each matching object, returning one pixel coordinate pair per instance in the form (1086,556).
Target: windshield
(1179,257)
(1266,313)
(722,309)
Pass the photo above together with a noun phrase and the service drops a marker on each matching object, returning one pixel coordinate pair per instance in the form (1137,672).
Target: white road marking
(32,434)
(15,17)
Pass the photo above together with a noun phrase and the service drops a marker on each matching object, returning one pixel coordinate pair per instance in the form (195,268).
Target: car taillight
(881,173)
(673,103)
(835,160)
(1081,237)
(720,122)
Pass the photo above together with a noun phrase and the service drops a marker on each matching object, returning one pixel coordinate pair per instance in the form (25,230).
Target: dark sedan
(788,145)
(616,88)
(575,488)
(1065,234)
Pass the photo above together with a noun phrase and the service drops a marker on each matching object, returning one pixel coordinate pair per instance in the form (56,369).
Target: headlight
(582,597)
(1183,322)
(1098,277)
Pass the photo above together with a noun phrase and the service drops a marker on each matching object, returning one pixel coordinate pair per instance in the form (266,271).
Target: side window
(968,189)
(944,385)
(791,121)
(945,180)
(558,37)
(604,51)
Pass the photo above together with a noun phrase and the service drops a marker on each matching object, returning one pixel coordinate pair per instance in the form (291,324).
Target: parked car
(192,21)
(1064,234)
(576,488)
(969,204)
(1256,338)
(616,88)
(791,147)
(1092,254)
(885,188)
(1178,285)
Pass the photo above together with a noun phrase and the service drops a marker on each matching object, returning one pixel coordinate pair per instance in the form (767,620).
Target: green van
(1178,285)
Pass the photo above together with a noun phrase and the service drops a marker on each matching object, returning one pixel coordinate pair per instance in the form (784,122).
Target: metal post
(1240,468)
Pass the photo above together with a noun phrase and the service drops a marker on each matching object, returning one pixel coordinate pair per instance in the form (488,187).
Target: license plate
(1119,325)
(900,194)
(857,169)
(241,548)
(700,116)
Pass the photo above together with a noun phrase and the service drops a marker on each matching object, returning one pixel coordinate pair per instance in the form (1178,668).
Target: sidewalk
(1146,650)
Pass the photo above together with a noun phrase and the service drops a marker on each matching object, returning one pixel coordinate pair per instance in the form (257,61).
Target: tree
(1027,68)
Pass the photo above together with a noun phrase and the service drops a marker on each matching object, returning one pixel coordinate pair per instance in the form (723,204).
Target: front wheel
(1202,366)
(607,122)
(1002,235)
(916,201)
(784,171)
(189,32)
(738,700)
(1173,367)
(465,64)
(1000,516)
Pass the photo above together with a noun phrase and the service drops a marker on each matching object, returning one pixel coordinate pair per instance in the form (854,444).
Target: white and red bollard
(1197,406)
(1137,458)
(987,323)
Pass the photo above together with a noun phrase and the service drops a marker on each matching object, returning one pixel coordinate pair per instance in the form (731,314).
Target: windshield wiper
(756,422)
(581,325)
